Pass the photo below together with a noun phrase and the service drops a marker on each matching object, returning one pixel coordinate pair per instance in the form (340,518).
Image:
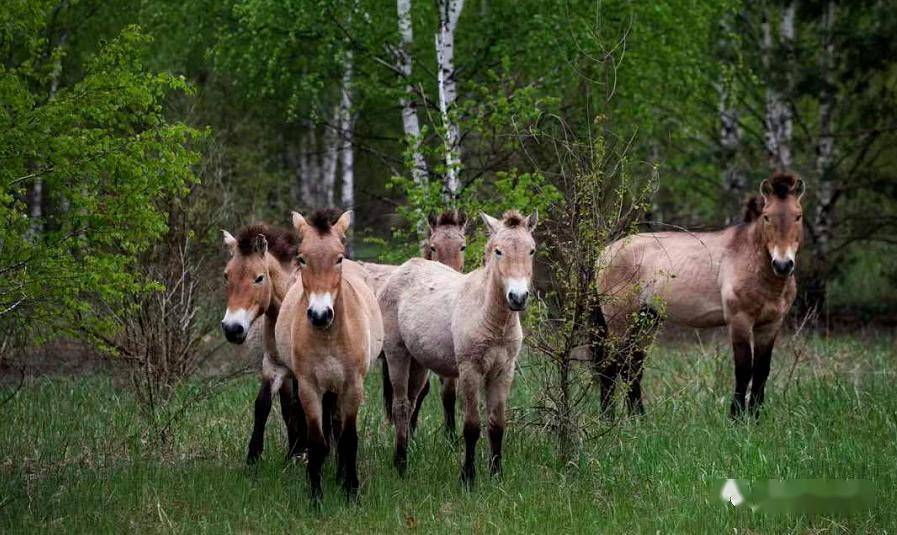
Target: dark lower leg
(417,405)
(634,383)
(742,353)
(496,434)
(760,374)
(348,454)
(607,377)
(448,405)
(317,452)
(262,410)
(471,436)
(293,417)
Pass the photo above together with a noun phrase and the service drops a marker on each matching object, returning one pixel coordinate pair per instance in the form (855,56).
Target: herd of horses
(326,318)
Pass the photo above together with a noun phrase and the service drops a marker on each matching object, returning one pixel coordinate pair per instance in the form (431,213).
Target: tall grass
(71,457)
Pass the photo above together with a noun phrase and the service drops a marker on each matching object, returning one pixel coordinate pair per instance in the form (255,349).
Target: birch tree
(778,110)
(825,147)
(346,127)
(410,122)
(449,11)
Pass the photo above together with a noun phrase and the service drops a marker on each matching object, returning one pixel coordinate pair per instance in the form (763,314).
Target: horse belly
(428,337)
(692,299)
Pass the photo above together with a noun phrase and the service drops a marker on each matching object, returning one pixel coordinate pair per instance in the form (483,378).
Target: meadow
(73,459)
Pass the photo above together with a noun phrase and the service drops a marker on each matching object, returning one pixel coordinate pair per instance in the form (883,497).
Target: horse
(446,243)
(460,325)
(257,276)
(330,326)
(741,277)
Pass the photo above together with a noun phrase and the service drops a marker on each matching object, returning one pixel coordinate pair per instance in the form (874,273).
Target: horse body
(740,277)
(259,275)
(331,327)
(464,326)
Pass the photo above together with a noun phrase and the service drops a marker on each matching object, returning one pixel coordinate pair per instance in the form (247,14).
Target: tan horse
(464,326)
(258,274)
(330,325)
(740,277)
(446,243)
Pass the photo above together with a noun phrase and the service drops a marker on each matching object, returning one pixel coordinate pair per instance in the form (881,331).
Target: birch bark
(410,122)
(778,110)
(449,11)
(346,126)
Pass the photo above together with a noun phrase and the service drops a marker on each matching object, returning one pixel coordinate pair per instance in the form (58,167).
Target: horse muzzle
(320,318)
(517,300)
(234,332)
(783,268)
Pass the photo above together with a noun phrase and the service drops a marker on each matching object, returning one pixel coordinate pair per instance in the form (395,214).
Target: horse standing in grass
(741,277)
(464,326)
(331,327)
(446,243)
(258,275)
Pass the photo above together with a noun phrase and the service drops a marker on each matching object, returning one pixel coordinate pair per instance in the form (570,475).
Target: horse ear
(492,224)
(229,241)
(260,245)
(532,221)
(765,189)
(431,223)
(342,224)
(299,222)
(800,188)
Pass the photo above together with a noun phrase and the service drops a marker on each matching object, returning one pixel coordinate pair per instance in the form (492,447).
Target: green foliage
(105,156)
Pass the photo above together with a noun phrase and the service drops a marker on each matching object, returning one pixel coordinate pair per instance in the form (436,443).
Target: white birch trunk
(449,11)
(778,110)
(346,126)
(826,145)
(410,122)
(329,158)
(307,164)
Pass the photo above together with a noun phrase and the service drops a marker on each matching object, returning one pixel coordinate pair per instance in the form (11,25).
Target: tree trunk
(330,157)
(308,164)
(778,109)
(449,11)
(346,126)
(825,149)
(410,122)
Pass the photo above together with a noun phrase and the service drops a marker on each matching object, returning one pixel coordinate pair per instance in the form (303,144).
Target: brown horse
(446,243)
(257,276)
(331,327)
(741,277)
(464,326)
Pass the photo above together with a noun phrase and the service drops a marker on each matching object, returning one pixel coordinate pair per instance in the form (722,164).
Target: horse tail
(387,388)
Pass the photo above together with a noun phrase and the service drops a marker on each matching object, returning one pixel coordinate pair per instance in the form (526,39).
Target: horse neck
(497,317)
(280,280)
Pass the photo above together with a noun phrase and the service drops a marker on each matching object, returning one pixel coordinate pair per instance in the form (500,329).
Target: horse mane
(282,243)
(322,220)
(782,183)
(753,208)
(513,219)
(448,219)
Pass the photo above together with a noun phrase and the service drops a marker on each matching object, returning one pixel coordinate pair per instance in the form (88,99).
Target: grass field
(71,458)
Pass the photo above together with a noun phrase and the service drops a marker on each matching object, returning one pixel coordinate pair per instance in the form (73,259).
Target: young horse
(446,243)
(258,275)
(330,325)
(464,326)
(740,277)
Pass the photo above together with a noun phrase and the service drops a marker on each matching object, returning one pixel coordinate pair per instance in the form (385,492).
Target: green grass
(71,458)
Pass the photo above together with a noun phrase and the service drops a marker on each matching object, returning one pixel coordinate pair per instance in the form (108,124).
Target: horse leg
(418,386)
(764,339)
(448,404)
(318,447)
(418,403)
(399,365)
(740,335)
(293,417)
(498,384)
(262,410)
(347,447)
(605,360)
(633,379)
(470,382)
(387,387)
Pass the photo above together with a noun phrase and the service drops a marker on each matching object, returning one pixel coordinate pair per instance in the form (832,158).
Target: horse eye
(463,247)
(532,252)
(766,218)
(497,252)
(225,276)
(339,260)
(301,260)
(798,217)
(432,248)
(259,279)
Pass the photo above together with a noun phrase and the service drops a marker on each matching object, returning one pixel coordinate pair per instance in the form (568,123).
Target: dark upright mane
(448,219)
(282,243)
(513,219)
(782,183)
(322,220)
(753,208)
